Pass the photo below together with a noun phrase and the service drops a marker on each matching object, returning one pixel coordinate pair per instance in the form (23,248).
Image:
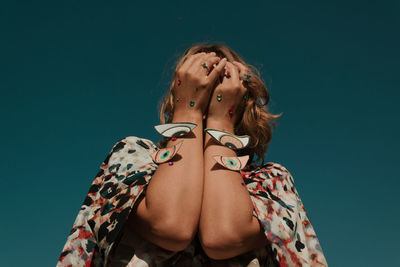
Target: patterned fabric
(123,177)
(133,251)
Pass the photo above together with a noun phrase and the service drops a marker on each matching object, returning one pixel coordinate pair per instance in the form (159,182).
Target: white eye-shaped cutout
(232,163)
(165,154)
(175,129)
(229,140)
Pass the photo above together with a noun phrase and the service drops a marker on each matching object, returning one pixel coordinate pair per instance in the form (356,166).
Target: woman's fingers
(195,63)
(218,69)
(242,68)
(237,87)
(209,59)
(234,73)
(212,62)
(189,61)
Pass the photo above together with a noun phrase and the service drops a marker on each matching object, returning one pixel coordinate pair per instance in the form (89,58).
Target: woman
(190,201)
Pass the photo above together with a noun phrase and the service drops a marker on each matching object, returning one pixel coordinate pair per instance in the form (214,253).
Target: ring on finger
(246,77)
(204,65)
(227,75)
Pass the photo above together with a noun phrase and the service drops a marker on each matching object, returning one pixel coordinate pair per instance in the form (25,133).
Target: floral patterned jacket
(126,172)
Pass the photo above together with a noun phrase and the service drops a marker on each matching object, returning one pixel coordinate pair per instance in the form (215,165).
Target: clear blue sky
(76,76)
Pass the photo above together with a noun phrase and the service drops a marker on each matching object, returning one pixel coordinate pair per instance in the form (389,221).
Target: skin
(227,225)
(171,216)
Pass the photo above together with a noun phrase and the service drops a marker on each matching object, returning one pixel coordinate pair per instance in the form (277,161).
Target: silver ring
(246,77)
(204,65)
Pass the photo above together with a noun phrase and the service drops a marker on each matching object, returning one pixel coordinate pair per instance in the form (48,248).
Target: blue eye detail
(165,154)
(232,163)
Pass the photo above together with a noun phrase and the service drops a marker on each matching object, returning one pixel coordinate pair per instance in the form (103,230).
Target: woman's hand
(194,83)
(227,102)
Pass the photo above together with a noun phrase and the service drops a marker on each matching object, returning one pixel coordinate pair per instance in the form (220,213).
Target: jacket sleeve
(119,182)
(280,210)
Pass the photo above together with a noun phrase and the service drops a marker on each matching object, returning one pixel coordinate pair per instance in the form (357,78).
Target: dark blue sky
(77,77)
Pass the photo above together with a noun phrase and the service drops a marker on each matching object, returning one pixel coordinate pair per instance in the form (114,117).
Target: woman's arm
(227,225)
(169,214)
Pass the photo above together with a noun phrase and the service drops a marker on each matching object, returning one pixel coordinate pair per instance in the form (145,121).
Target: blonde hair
(256,121)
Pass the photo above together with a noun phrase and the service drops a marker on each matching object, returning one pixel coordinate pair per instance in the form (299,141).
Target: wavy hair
(256,120)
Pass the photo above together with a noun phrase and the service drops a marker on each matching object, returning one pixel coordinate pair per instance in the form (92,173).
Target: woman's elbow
(173,236)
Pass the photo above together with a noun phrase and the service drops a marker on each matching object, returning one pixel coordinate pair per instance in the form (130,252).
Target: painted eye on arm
(229,140)
(175,129)
(165,154)
(232,163)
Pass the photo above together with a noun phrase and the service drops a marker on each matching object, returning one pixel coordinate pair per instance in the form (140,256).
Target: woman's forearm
(174,194)
(226,208)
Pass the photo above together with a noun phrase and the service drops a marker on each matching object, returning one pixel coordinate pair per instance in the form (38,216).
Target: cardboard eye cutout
(175,129)
(229,140)
(232,163)
(165,154)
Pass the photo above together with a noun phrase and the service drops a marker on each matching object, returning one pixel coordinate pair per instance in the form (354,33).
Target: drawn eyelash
(232,163)
(229,140)
(175,129)
(165,154)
